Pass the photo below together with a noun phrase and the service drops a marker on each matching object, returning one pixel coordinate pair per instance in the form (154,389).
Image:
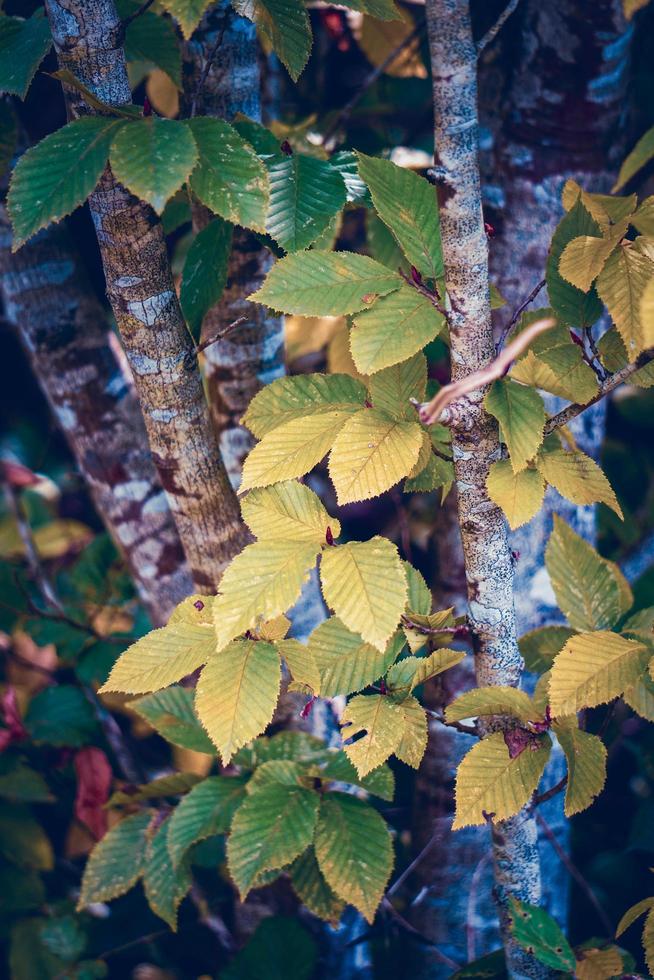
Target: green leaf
(408,205)
(151,38)
(643,219)
(64,938)
(23,840)
(641,154)
(365,584)
(409,673)
(345,662)
(593,668)
(488,701)
(520,495)
(171,714)
(264,580)
(394,328)
(302,666)
(521,414)
(205,273)
(391,389)
(380,721)
(354,851)
(116,863)
(305,194)
(586,586)
(338,768)
(288,511)
(621,286)
(371,454)
(284,772)
(573,307)
(640,696)
(325,284)
(285,24)
(577,477)
(312,889)
(229,179)
(237,693)
(280,949)
(613,355)
(207,810)
(560,370)
(345,161)
(419,599)
(187,13)
(160,658)
(61,715)
(586,758)
(488,780)
(165,886)
(537,932)
(153,157)
(289,398)
(21,784)
(174,784)
(57,175)
(437,473)
(271,828)
(540,646)
(23,46)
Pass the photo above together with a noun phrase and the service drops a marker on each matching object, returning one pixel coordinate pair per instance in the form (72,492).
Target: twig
(596,364)
(424,291)
(137,13)
(456,725)
(434,411)
(518,313)
(497,26)
(31,554)
(220,334)
(411,929)
(550,793)
(418,859)
(472,907)
(609,384)
(206,68)
(369,80)
(575,874)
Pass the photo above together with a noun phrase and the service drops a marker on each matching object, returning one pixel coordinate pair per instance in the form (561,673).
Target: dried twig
(434,411)
(518,313)
(492,33)
(550,793)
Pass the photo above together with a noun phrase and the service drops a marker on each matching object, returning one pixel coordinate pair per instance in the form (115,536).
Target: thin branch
(456,725)
(452,964)
(437,835)
(549,793)
(137,13)
(205,72)
(425,291)
(575,874)
(609,384)
(220,334)
(37,572)
(491,34)
(518,313)
(434,411)
(472,907)
(370,80)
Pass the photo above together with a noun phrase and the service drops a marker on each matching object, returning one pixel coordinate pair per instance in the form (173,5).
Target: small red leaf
(94,778)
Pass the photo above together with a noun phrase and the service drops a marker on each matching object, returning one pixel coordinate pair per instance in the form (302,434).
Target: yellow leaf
(586,758)
(162,93)
(621,286)
(561,371)
(346,663)
(365,584)
(488,701)
(160,658)
(378,39)
(413,743)
(288,511)
(383,723)
(631,6)
(237,693)
(371,453)
(308,335)
(302,664)
(273,629)
(520,412)
(294,397)
(339,355)
(390,390)
(520,495)
(577,477)
(583,258)
(265,579)
(410,672)
(594,668)
(599,964)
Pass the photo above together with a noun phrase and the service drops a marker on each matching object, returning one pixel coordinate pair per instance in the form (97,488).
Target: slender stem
(492,33)
(472,906)
(550,793)
(438,833)
(137,13)
(424,291)
(518,313)
(206,68)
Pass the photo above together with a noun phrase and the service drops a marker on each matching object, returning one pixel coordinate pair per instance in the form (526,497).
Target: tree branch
(491,34)
(518,313)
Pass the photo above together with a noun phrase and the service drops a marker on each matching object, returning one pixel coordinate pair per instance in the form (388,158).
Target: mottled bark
(489,564)
(222,78)
(159,349)
(83,375)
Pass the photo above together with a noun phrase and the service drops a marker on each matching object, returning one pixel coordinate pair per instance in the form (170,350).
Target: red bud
(286,148)
(329,537)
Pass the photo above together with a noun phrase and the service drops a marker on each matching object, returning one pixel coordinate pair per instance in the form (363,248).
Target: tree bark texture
(83,374)
(489,563)
(140,288)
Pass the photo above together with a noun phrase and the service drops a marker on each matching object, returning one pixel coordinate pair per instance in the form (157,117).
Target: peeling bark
(489,564)
(82,373)
(185,449)
(252,355)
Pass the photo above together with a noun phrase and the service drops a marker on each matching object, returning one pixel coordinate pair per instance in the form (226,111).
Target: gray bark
(185,449)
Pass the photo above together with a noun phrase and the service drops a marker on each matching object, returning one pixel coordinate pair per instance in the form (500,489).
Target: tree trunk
(82,373)
(157,343)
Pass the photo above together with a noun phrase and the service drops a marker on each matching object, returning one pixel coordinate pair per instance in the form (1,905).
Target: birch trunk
(489,564)
(87,37)
(82,373)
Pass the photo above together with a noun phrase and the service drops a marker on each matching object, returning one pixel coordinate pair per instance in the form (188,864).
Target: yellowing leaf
(593,668)
(354,851)
(632,914)
(489,781)
(237,693)
(413,743)
(409,673)
(297,397)
(292,449)
(598,964)
(586,758)
(586,587)
(640,696)
(273,629)
(378,39)
(301,662)
(561,371)
(188,13)
(287,511)
(521,414)
(311,887)
(643,151)
(345,662)
(487,701)
(394,328)
(265,579)
(160,658)
(583,258)
(371,453)
(577,477)
(391,389)
(621,286)
(382,721)
(365,584)
(520,495)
